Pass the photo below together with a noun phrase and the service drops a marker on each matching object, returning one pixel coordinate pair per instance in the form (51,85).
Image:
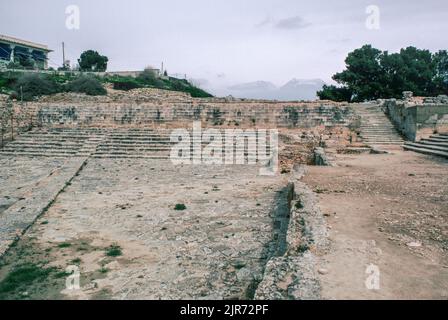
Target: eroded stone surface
(216,248)
(28,187)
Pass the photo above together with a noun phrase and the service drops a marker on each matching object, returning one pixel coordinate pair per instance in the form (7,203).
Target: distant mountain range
(295,89)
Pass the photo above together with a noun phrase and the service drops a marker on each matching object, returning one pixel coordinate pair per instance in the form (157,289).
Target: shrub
(86,84)
(185,86)
(14,65)
(149,77)
(180,207)
(114,251)
(126,85)
(33,85)
(6,81)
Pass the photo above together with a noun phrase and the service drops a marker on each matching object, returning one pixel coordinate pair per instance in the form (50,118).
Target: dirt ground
(386,211)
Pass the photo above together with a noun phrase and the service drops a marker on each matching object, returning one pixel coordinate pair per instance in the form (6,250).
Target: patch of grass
(76,261)
(103,270)
(22,277)
(299,205)
(61,274)
(318,190)
(114,251)
(64,245)
(44,222)
(239,264)
(180,207)
(303,247)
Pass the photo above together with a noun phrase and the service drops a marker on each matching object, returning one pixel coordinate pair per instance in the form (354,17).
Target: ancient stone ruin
(87,182)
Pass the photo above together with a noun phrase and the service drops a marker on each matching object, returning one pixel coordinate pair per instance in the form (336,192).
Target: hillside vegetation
(29,86)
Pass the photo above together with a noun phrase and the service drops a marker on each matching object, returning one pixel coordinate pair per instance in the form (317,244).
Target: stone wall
(180,114)
(15,118)
(418,121)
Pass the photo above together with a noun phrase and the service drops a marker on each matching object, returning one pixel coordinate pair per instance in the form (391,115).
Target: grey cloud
(292,23)
(227,41)
(265,22)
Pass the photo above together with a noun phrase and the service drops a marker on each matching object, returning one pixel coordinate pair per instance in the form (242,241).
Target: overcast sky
(227,40)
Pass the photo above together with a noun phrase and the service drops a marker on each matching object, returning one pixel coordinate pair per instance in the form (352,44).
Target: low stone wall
(181,114)
(15,119)
(293,275)
(417,121)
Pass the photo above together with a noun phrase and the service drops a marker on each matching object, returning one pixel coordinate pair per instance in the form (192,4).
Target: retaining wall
(180,114)
(418,121)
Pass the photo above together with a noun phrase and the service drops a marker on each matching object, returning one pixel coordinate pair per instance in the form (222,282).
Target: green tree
(441,71)
(363,75)
(335,93)
(372,74)
(417,70)
(91,60)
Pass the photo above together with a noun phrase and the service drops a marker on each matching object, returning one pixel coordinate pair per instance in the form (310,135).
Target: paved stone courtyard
(215,248)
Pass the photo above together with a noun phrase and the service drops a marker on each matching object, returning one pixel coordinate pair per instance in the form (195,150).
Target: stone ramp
(435,145)
(376,128)
(34,201)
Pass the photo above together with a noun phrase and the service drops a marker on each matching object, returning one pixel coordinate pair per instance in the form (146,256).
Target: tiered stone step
(135,143)
(436,145)
(101,143)
(155,144)
(376,128)
(51,143)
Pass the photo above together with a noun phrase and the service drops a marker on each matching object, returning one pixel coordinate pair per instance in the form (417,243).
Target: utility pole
(63,55)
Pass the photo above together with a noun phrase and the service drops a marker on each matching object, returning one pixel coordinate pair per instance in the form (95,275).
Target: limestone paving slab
(216,248)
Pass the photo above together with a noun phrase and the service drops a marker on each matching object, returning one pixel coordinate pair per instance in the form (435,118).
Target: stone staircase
(376,128)
(435,145)
(101,143)
(135,143)
(97,143)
